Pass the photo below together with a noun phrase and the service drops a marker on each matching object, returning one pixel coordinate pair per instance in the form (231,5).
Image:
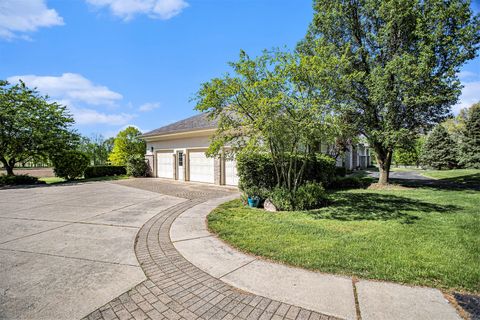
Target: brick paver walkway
(176,289)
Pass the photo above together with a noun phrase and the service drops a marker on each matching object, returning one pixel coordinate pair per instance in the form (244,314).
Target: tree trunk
(384,161)
(7,167)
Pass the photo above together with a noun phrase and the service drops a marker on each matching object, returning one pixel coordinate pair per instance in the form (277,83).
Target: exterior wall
(184,144)
(149,159)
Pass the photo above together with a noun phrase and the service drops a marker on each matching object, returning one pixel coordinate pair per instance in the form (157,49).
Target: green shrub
(349,183)
(282,199)
(137,166)
(310,196)
(104,171)
(70,164)
(20,179)
(340,171)
(320,168)
(256,170)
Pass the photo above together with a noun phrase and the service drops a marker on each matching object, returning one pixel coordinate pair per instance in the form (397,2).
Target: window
(180,159)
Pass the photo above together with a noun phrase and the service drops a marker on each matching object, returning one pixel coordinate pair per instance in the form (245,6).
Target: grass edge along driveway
(418,236)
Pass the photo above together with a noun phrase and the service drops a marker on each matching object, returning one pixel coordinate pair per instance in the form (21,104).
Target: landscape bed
(419,236)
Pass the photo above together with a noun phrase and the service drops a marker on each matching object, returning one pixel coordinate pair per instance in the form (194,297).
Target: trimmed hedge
(21,179)
(257,172)
(104,171)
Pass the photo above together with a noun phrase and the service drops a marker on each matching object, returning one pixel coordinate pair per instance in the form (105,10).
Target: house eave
(179,135)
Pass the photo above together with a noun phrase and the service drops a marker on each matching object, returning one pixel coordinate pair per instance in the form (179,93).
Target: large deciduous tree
(268,105)
(391,64)
(31,127)
(127,144)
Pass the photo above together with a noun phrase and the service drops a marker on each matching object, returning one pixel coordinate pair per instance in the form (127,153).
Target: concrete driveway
(66,250)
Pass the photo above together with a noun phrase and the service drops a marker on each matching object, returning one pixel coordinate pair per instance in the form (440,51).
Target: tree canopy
(31,126)
(127,143)
(391,65)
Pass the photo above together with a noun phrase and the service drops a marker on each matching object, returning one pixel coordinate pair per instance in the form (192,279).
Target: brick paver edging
(176,289)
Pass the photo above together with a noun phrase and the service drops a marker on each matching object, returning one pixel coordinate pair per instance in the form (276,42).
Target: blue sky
(122,62)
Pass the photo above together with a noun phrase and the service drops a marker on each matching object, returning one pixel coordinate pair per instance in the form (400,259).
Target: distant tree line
(454,143)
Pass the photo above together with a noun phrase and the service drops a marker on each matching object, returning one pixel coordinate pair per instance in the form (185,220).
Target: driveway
(66,250)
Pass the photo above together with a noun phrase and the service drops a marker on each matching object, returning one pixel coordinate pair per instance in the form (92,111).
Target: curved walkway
(177,289)
(193,275)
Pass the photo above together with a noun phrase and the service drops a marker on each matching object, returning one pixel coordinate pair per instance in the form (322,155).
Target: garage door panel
(165,165)
(202,169)
(231,176)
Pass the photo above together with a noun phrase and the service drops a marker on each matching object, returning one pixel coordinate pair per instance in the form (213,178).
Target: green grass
(416,236)
(55,180)
(462,176)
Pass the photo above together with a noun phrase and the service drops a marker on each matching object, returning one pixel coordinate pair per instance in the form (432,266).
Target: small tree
(469,150)
(96,149)
(128,143)
(31,127)
(409,154)
(268,106)
(439,150)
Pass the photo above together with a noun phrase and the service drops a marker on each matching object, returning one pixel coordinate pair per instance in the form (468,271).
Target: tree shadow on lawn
(375,206)
(467,182)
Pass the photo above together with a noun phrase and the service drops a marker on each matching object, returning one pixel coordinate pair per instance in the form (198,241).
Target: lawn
(55,180)
(461,176)
(421,236)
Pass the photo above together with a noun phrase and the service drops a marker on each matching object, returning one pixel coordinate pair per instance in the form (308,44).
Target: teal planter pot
(253,202)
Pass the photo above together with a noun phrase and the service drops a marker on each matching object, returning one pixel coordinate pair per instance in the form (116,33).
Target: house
(177,151)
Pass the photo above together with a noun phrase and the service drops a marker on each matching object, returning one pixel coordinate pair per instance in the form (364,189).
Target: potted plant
(253,199)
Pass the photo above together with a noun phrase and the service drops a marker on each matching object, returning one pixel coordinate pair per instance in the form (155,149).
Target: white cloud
(80,95)
(90,116)
(70,86)
(18,17)
(157,9)
(470,95)
(149,106)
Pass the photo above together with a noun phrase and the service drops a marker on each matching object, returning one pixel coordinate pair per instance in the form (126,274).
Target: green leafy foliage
(137,166)
(128,143)
(469,151)
(31,127)
(96,148)
(390,66)
(267,105)
(409,153)
(255,171)
(439,150)
(309,196)
(70,164)
(104,171)
(20,179)
(257,175)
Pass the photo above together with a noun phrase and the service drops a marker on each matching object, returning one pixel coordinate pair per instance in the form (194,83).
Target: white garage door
(231,177)
(165,165)
(201,168)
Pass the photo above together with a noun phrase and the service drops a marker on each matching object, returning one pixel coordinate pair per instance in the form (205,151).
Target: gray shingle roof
(198,122)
